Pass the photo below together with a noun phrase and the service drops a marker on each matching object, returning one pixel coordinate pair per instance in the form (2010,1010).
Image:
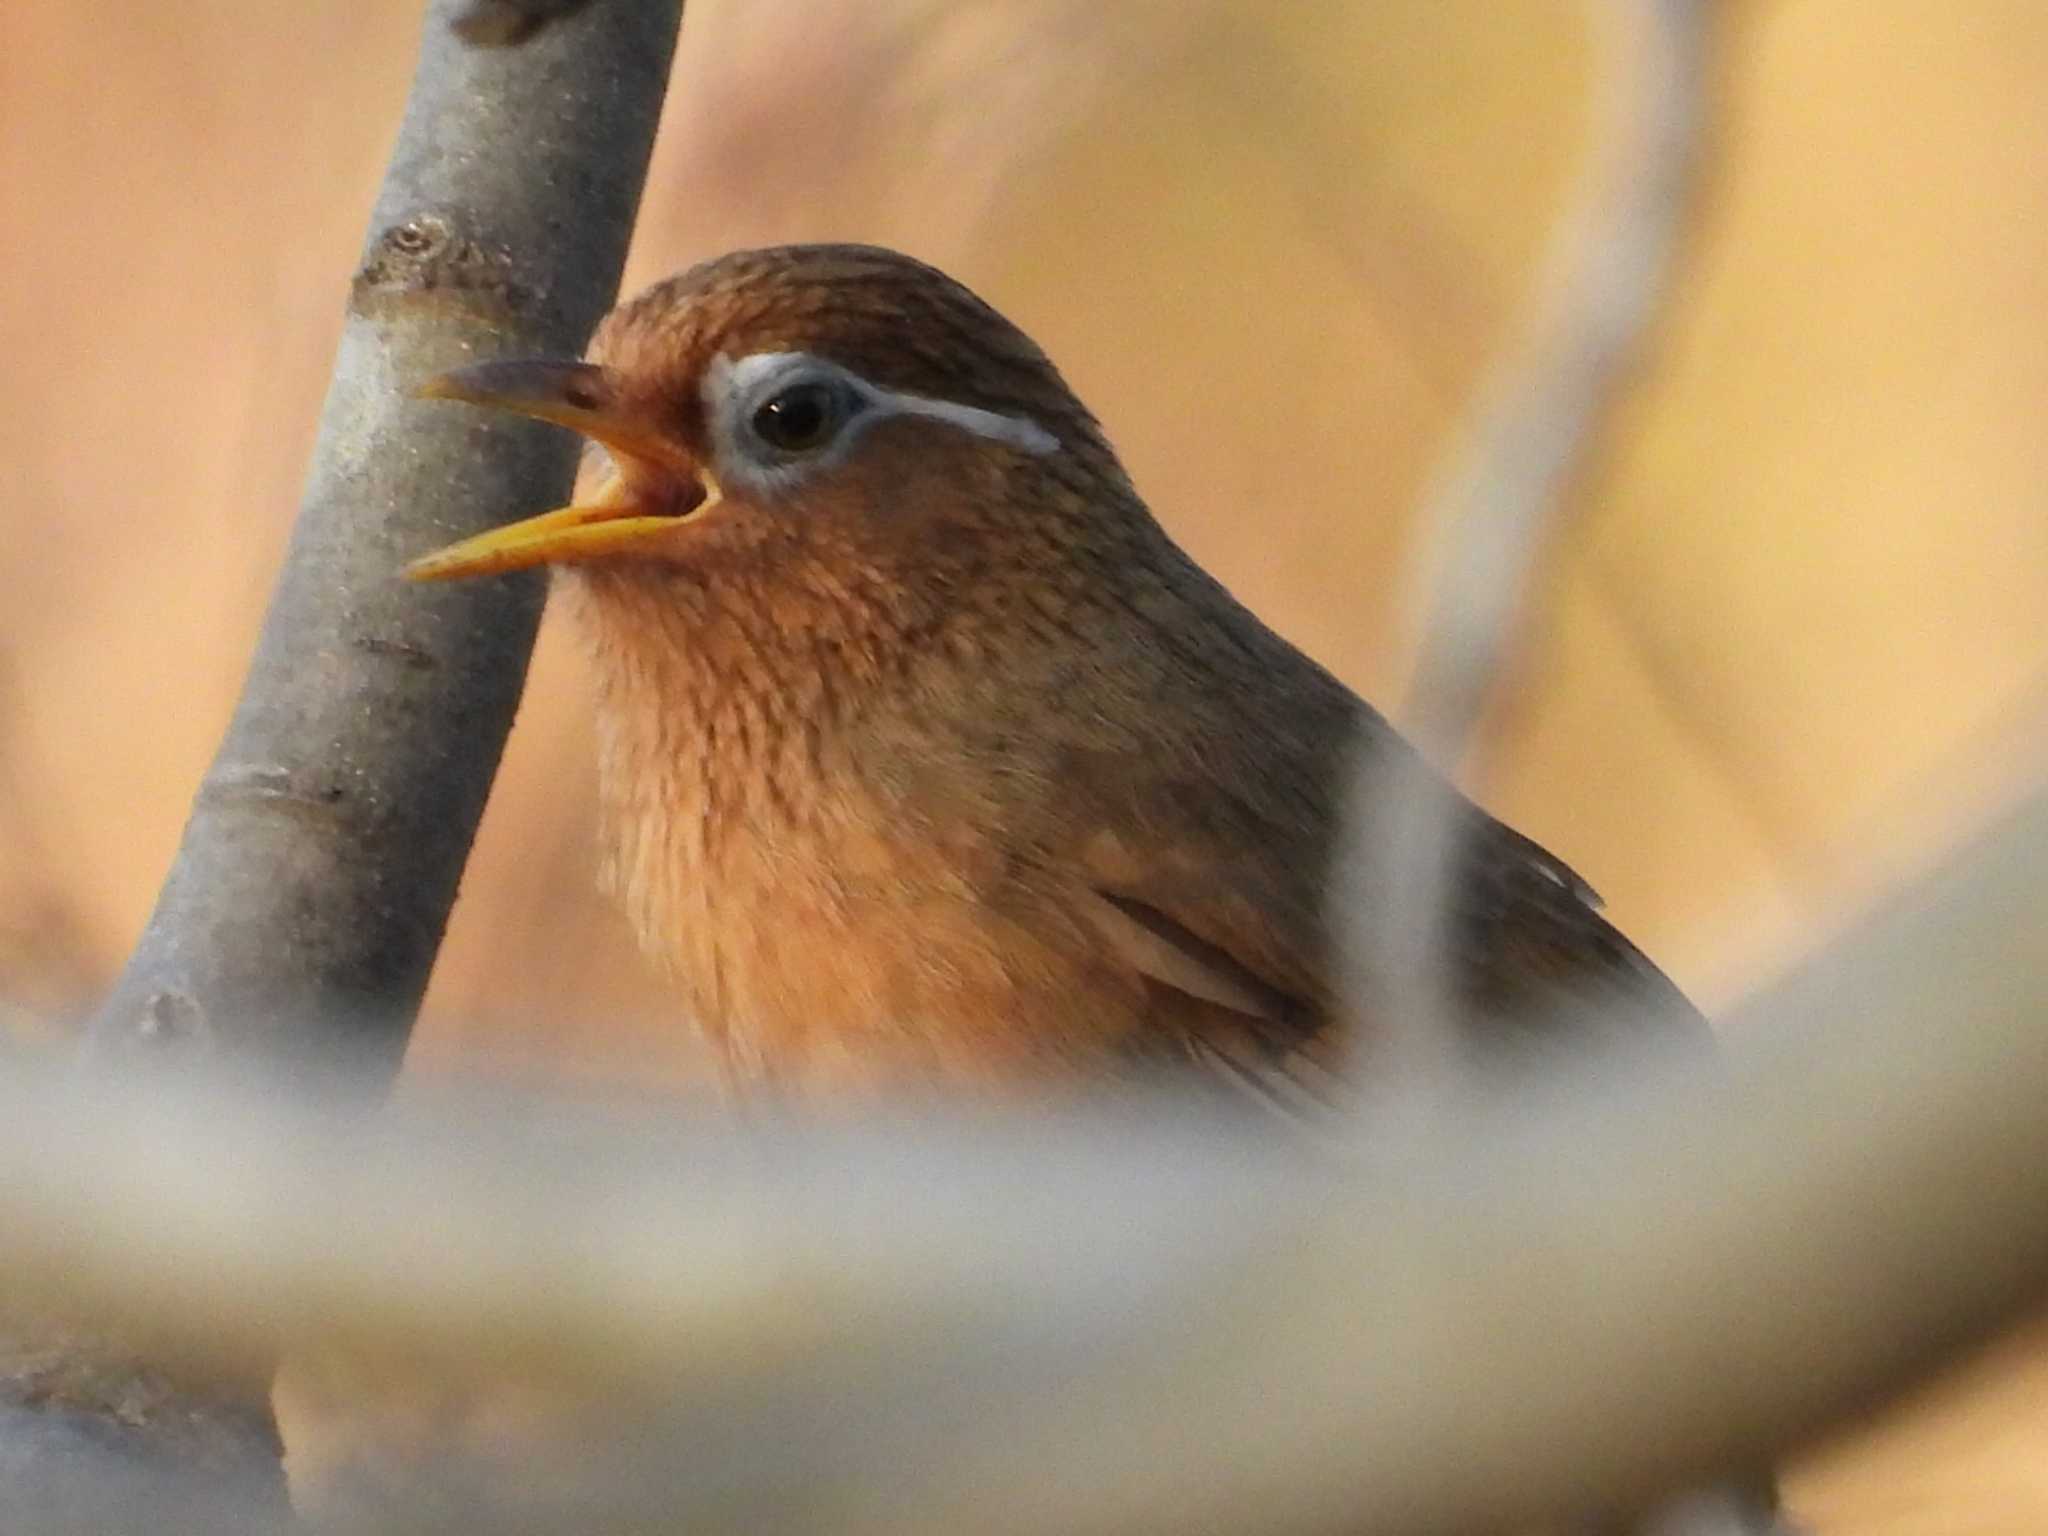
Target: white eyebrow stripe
(1020,432)
(729,378)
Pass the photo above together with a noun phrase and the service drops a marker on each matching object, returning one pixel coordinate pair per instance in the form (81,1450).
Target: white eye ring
(736,391)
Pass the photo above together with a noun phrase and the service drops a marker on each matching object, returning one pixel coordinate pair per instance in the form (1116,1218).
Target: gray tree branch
(301,916)
(310,892)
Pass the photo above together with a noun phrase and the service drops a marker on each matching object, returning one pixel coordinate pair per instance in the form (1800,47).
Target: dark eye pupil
(801,417)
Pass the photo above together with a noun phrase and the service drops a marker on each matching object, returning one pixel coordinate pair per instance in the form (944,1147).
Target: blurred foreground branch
(1609,1284)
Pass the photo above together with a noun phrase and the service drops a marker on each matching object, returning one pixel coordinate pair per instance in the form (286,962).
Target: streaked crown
(884,317)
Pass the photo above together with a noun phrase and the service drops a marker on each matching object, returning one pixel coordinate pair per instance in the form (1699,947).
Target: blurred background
(1791,647)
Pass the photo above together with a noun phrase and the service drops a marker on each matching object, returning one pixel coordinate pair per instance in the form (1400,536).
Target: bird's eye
(801,418)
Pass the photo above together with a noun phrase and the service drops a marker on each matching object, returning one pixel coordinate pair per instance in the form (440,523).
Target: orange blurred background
(1792,644)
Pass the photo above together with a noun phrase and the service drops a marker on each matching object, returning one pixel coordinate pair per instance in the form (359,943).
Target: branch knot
(427,253)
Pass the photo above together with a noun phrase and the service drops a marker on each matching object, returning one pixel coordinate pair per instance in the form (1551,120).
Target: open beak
(657,484)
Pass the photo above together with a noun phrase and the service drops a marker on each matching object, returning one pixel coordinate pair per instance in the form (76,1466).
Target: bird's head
(843,403)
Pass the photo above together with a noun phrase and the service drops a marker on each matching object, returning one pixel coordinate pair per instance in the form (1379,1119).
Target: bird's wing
(1207,808)
(1229,926)
(1208,1005)
(1539,961)
(1158,947)
(1537,969)
(1225,931)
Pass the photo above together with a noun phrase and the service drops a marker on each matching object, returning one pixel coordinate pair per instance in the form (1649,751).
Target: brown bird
(926,756)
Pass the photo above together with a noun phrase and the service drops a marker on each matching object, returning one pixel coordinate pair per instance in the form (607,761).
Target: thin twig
(1485,530)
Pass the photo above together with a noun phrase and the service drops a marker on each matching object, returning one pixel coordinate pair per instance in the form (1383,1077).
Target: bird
(927,758)
(925,755)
